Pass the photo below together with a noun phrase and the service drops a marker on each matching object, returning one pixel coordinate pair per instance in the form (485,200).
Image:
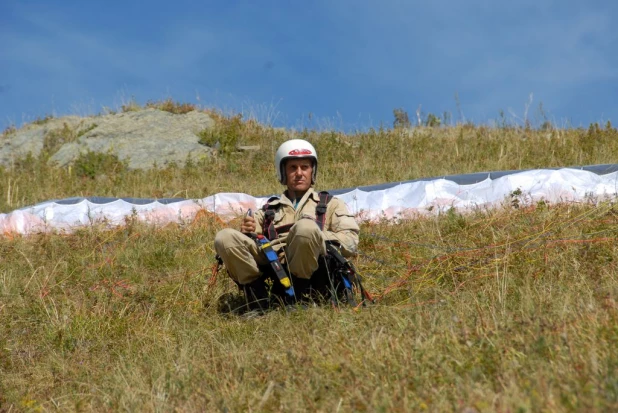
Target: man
(297,239)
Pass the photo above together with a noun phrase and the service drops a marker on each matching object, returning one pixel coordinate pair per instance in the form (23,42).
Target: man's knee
(305,228)
(306,234)
(226,238)
(305,245)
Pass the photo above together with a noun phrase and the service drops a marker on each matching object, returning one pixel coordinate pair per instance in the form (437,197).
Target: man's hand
(281,255)
(247,225)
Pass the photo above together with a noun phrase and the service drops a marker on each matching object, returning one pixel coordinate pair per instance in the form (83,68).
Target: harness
(273,232)
(335,265)
(271,255)
(340,266)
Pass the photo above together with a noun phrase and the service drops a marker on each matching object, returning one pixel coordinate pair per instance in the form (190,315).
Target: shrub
(402,120)
(90,164)
(9,131)
(131,106)
(432,121)
(225,136)
(42,121)
(170,106)
(54,139)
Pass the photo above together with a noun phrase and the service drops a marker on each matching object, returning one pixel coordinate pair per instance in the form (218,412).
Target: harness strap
(284,228)
(269,218)
(320,209)
(272,257)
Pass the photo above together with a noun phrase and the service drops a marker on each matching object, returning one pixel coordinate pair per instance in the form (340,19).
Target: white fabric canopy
(390,201)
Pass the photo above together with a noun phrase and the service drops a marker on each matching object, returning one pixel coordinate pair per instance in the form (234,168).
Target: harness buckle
(320,208)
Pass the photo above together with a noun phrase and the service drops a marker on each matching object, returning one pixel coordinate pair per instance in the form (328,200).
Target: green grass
(502,310)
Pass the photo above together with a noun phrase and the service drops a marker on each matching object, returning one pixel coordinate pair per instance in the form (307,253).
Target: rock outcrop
(141,138)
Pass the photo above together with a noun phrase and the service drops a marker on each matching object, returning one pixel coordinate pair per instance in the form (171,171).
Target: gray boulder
(31,138)
(141,138)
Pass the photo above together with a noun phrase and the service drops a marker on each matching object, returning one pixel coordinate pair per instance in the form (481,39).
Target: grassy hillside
(363,158)
(504,310)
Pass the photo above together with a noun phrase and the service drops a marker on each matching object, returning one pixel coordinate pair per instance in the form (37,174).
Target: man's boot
(256,295)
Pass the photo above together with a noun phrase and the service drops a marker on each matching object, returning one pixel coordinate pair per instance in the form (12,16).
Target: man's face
(298,173)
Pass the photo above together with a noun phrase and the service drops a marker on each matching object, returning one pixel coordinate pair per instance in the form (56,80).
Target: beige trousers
(242,257)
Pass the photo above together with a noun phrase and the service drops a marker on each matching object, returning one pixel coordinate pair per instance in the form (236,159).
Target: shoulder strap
(320,209)
(268,227)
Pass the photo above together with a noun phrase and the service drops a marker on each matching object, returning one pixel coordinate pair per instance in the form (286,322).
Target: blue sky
(348,63)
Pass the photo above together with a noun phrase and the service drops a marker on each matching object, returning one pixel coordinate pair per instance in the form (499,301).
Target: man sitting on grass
(293,231)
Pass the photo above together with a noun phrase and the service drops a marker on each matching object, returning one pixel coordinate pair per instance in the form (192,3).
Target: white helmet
(295,148)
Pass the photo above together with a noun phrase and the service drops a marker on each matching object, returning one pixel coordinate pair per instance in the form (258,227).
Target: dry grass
(504,310)
(363,158)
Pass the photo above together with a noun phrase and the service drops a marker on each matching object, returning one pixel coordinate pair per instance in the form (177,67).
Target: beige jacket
(339,224)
